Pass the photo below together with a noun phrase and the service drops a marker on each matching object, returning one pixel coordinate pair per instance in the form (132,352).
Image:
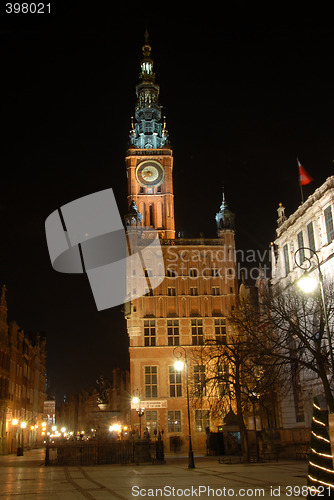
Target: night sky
(245,92)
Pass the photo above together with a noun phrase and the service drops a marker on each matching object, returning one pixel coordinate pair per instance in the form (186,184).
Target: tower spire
(149,159)
(224,218)
(147,129)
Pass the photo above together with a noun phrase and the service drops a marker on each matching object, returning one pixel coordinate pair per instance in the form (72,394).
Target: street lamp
(179,365)
(308,284)
(140,411)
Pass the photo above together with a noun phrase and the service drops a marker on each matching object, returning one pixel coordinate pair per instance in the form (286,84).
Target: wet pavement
(27,478)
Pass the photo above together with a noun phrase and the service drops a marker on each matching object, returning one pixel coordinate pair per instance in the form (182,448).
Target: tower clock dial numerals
(150,173)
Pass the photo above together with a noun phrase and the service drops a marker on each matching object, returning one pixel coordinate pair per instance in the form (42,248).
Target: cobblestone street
(27,478)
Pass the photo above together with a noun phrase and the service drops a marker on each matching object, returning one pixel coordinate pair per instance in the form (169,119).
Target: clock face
(150,173)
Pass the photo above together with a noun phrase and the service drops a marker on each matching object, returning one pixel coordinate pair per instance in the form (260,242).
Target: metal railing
(103,452)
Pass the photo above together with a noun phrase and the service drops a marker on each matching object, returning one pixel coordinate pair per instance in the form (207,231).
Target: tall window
(193,290)
(173,332)
(149,332)
(300,239)
(310,234)
(202,420)
(151,421)
(197,332)
(286,259)
(215,290)
(175,385)
(171,291)
(329,224)
(199,380)
(174,421)
(151,382)
(151,215)
(193,273)
(220,330)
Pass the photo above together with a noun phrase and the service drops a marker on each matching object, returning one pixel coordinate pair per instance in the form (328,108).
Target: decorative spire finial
(146,47)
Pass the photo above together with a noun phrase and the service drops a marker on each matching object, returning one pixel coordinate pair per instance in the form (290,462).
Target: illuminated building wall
(190,306)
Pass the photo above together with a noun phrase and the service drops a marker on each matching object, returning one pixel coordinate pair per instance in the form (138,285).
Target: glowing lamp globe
(307,283)
(178,365)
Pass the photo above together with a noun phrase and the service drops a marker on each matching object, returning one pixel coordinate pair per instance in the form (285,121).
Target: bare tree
(289,328)
(234,373)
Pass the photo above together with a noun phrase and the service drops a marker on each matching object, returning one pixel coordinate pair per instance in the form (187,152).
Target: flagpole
(302,193)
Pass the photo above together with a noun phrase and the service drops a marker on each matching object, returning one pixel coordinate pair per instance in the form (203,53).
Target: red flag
(304,177)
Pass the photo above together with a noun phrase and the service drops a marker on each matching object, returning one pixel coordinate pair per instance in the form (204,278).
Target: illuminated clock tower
(149,159)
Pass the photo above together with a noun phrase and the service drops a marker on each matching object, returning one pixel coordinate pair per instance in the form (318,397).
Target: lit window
(151,382)
(220,330)
(149,332)
(310,233)
(151,417)
(174,421)
(199,380)
(286,259)
(202,420)
(329,224)
(301,252)
(197,331)
(175,386)
(173,332)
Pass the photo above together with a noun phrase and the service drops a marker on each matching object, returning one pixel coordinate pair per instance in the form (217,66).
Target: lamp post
(179,365)
(140,411)
(308,283)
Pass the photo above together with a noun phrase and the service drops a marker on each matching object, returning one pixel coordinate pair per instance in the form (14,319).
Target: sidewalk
(26,478)
(30,458)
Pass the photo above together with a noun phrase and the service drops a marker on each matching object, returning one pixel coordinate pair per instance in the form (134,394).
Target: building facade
(22,383)
(190,307)
(309,227)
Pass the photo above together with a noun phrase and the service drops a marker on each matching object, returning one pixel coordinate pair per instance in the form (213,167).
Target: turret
(225,219)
